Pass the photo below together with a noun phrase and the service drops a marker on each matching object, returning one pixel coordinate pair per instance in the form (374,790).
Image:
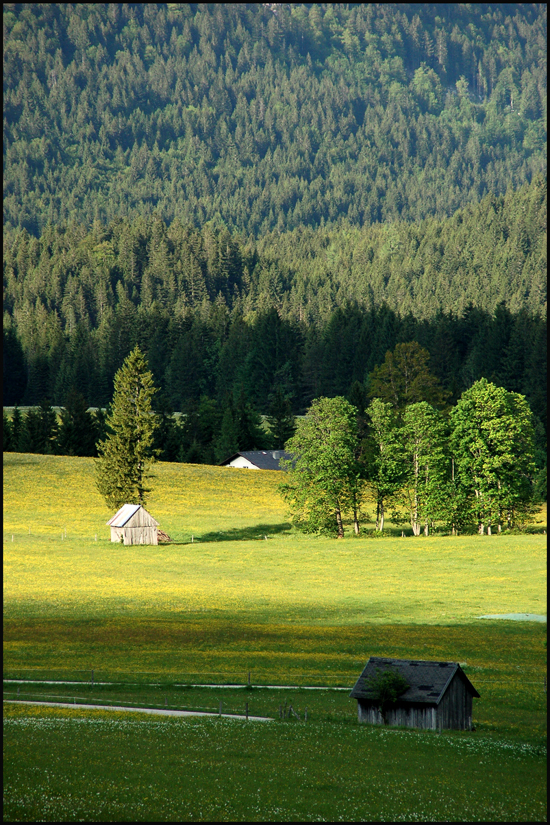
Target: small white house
(256,459)
(133,525)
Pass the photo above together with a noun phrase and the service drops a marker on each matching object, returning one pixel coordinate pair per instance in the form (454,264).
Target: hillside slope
(268,116)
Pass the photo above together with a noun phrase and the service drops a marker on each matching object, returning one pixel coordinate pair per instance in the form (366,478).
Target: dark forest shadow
(256,532)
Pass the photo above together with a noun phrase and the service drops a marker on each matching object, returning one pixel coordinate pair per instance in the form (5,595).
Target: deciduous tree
(385,688)
(382,456)
(404,378)
(423,440)
(492,440)
(324,478)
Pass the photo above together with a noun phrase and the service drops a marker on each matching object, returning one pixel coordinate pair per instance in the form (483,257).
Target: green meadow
(238,592)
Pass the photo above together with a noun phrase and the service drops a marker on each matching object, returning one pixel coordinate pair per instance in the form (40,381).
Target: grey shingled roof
(263,459)
(428,680)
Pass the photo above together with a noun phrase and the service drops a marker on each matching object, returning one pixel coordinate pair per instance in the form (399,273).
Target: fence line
(174,684)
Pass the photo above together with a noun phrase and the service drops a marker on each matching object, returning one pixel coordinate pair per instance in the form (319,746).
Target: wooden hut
(439,695)
(134,525)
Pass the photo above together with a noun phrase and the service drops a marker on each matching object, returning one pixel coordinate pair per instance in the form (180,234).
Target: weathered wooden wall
(454,711)
(116,533)
(141,518)
(410,716)
(135,535)
(455,708)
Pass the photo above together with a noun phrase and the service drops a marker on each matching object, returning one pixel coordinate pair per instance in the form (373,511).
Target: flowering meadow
(233,554)
(66,765)
(238,592)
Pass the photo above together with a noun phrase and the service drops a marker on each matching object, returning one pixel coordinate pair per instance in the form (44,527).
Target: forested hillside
(268,198)
(309,312)
(268,116)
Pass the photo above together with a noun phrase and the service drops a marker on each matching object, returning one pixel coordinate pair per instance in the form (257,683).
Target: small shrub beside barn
(438,696)
(132,524)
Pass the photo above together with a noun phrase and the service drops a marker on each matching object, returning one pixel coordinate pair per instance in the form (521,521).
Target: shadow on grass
(255,532)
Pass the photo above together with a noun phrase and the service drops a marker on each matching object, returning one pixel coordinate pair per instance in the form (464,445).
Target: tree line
(306,313)
(268,117)
(403,408)
(473,469)
(470,466)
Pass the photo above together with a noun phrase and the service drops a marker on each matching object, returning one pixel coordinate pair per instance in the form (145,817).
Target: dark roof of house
(427,681)
(263,459)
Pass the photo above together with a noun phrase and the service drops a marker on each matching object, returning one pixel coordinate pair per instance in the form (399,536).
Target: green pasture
(65,765)
(239,592)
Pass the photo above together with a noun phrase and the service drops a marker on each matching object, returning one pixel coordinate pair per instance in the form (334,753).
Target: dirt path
(154,711)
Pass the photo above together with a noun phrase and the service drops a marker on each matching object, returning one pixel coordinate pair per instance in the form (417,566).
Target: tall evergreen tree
(78,431)
(38,430)
(127,453)
(280,419)
(227,441)
(6,433)
(17,426)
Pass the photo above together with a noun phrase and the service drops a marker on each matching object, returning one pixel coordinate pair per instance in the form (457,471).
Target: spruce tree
(127,453)
(17,427)
(78,431)
(404,378)
(6,433)
(281,421)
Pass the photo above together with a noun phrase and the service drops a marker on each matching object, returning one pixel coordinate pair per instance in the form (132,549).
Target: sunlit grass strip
(426,580)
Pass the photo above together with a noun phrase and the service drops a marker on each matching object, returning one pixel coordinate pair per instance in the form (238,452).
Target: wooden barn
(134,525)
(439,695)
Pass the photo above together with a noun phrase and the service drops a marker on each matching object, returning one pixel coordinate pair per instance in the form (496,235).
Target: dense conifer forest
(268,198)
(268,116)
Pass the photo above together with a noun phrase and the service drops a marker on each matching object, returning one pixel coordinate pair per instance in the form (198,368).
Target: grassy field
(236,592)
(99,766)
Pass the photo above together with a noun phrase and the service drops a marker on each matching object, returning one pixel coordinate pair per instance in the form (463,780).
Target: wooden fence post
(247,711)
(220,709)
(92,678)
(248,678)
(305,715)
